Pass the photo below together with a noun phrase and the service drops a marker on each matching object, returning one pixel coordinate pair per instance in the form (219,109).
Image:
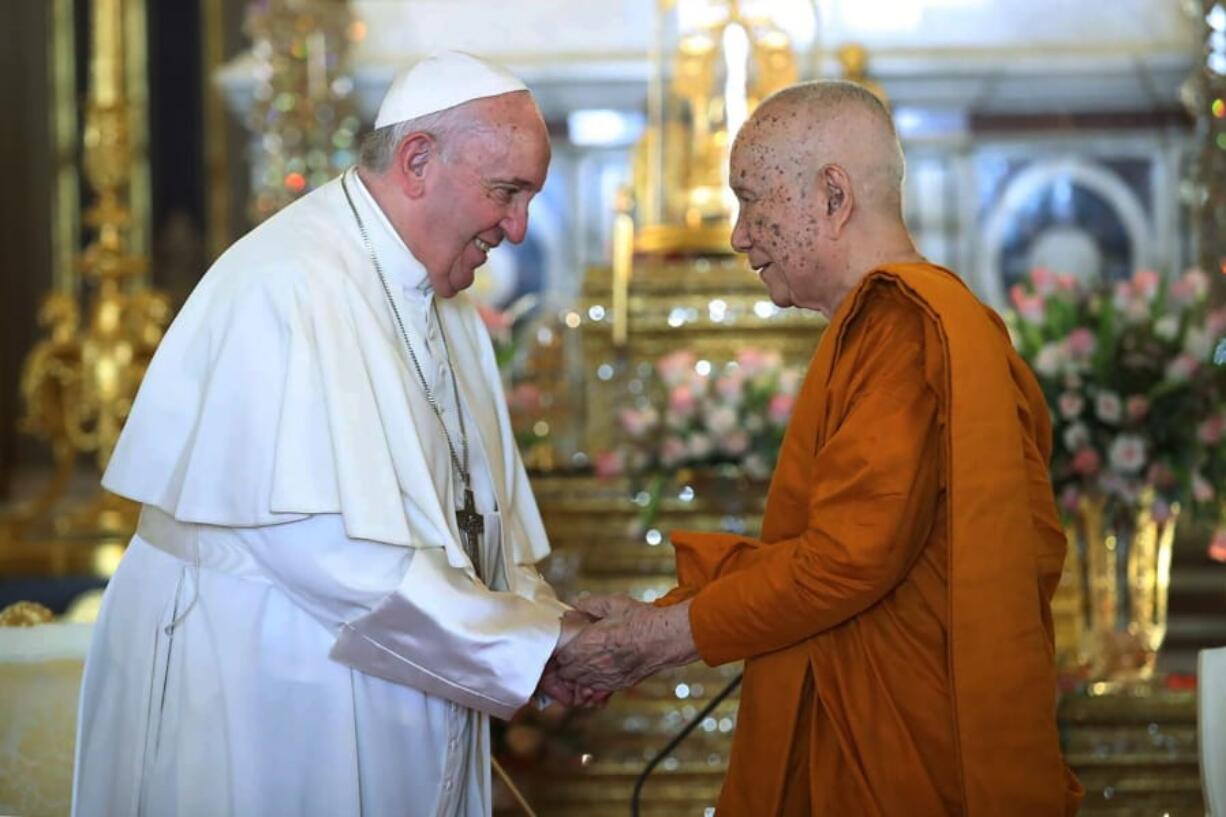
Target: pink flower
(1044,281)
(780,409)
(1127,453)
(1217,546)
(1161,511)
(497,323)
(1145,283)
(1210,431)
(1215,322)
(1190,288)
(1108,407)
(675,368)
(789,380)
(1202,491)
(672,451)
(1030,307)
(638,422)
(1136,406)
(1066,283)
(735,443)
(1130,304)
(1160,475)
(609,463)
(754,362)
(1080,343)
(1071,404)
(1070,498)
(1087,462)
(524,397)
(731,386)
(1181,367)
(681,401)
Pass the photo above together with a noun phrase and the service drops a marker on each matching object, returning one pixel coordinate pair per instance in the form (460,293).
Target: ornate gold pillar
(78,383)
(65,176)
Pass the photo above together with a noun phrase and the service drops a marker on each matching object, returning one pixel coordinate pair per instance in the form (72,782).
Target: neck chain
(460,462)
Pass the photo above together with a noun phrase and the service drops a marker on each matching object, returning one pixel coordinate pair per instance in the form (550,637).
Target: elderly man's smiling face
(789,209)
(479,193)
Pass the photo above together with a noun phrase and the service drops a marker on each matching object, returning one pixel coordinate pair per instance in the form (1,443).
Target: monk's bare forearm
(618,652)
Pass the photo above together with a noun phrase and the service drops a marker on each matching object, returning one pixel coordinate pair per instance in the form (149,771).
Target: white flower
(1108,407)
(721,420)
(1198,344)
(790,380)
(1076,436)
(1127,453)
(1181,367)
(755,465)
(700,446)
(1071,404)
(1167,327)
(1050,359)
(1202,491)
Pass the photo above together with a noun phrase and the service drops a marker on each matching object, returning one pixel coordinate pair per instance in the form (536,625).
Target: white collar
(394,256)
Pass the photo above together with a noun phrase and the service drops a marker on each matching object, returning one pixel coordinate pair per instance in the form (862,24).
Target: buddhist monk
(894,617)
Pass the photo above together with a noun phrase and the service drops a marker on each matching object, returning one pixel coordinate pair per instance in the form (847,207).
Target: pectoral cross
(472,527)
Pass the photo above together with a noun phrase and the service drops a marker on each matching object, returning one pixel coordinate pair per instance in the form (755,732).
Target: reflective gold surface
(79,381)
(1121,566)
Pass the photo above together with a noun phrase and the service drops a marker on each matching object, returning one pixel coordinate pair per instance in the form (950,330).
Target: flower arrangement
(1133,373)
(703,414)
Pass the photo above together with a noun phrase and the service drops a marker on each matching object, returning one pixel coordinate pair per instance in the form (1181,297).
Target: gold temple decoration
(78,383)
(1122,563)
(674,279)
(25,614)
(721,62)
(853,60)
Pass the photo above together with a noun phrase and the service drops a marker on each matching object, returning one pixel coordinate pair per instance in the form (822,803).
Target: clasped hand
(624,642)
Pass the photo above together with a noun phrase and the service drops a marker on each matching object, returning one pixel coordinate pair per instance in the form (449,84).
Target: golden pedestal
(596,523)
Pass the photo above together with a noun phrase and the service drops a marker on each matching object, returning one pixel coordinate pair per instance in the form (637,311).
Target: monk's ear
(412,161)
(836,197)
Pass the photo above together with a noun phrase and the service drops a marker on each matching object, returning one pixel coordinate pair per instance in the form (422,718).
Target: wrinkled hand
(562,691)
(631,641)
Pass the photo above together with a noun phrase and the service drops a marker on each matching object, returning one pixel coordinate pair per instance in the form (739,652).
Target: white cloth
(440,81)
(296,628)
(1211,727)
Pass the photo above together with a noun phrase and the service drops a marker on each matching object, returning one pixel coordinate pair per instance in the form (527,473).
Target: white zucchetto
(440,81)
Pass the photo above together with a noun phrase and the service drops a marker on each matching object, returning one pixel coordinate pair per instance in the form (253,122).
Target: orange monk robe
(895,616)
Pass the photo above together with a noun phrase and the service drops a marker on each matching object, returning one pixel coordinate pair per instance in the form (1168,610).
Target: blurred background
(1066,158)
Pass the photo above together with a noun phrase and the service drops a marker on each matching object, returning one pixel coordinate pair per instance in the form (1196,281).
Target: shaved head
(839,122)
(818,172)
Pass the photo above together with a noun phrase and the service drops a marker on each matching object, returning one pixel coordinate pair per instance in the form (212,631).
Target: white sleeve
(406,615)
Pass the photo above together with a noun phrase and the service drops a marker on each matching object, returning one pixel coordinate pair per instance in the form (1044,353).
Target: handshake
(613,642)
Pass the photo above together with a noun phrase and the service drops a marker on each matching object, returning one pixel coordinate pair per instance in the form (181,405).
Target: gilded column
(79,381)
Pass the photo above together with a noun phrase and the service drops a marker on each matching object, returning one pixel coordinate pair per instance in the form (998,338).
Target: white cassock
(296,628)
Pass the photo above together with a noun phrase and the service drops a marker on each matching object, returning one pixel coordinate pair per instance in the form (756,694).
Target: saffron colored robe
(895,616)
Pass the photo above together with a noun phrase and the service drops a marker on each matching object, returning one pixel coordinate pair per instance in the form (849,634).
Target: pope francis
(332,585)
